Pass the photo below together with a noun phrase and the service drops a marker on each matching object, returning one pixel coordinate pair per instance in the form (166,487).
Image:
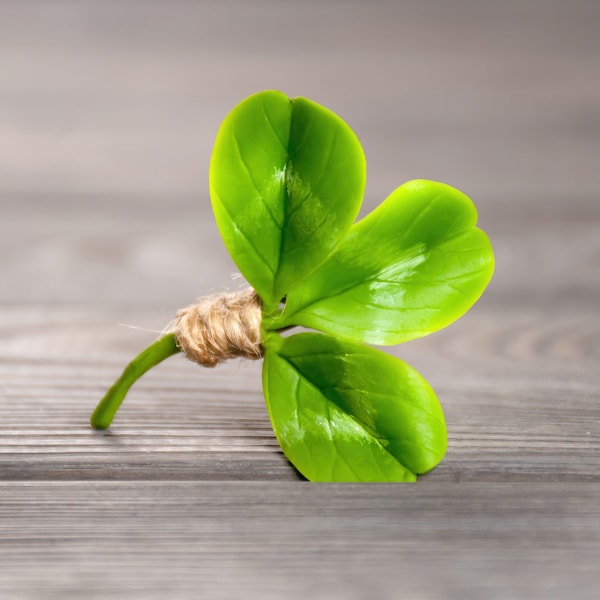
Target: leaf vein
(310,235)
(355,419)
(250,243)
(253,181)
(334,440)
(270,122)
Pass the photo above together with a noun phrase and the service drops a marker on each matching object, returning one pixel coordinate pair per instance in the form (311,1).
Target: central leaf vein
(328,400)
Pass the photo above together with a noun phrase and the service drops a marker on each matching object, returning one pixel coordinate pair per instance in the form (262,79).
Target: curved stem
(107,408)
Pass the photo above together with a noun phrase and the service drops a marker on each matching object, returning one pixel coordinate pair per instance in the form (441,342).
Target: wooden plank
(521,400)
(224,540)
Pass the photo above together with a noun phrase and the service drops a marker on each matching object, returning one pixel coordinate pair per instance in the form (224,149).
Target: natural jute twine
(220,327)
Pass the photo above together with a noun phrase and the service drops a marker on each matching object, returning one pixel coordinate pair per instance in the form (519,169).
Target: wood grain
(521,404)
(226,539)
(107,115)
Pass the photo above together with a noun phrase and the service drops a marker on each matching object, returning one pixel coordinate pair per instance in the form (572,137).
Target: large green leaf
(411,267)
(287,179)
(346,412)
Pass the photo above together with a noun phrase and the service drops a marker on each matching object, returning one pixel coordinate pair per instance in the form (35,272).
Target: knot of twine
(220,327)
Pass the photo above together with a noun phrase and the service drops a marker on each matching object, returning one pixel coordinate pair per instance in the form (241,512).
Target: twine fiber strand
(219,327)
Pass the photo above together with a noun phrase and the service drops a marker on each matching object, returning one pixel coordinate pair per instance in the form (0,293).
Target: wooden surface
(107,115)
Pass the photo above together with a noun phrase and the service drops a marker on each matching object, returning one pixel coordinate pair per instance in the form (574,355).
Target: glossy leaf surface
(286,181)
(346,412)
(411,267)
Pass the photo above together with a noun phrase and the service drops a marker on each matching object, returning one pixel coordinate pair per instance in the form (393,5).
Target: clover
(287,178)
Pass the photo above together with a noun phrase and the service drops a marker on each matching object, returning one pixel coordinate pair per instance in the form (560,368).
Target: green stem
(155,353)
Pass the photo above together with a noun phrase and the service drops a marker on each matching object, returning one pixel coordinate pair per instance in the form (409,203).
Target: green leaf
(342,411)
(411,267)
(287,179)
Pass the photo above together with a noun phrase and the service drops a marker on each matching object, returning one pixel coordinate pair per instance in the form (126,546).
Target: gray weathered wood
(279,540)
(107,115)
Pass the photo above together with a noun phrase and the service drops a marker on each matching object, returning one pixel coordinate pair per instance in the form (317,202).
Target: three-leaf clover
(287,179)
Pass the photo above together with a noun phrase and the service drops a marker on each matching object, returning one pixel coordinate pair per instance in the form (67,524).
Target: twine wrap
(219,327)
